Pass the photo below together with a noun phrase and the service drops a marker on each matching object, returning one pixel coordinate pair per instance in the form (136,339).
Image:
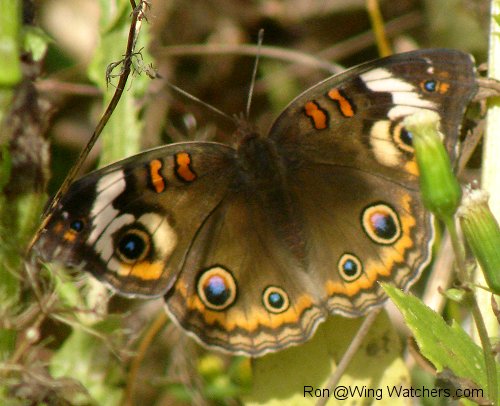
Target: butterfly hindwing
(241,289)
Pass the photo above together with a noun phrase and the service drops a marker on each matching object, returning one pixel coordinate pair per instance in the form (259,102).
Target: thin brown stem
(349,354)
(135,26)
(145,343)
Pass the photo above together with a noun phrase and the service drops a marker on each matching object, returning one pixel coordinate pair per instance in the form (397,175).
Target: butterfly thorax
(261,166)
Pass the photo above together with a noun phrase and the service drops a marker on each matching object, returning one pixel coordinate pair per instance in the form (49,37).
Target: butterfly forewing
(355,116)
(131,224)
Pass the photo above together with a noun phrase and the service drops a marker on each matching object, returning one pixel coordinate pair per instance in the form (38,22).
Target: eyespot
(133,245)
(216,288)
(350,267)
(432,86)
(406,138)
(77,225)
(381,223)
(429,85)
(275,299)
(402,138)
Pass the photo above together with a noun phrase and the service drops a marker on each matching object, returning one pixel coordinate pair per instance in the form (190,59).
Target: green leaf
(36,41)
(445,346)
(8,339)
(84,358)
(18,220)
(5,166)
(10,20)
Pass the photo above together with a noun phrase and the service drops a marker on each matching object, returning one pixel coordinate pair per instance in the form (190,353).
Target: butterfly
(253,245)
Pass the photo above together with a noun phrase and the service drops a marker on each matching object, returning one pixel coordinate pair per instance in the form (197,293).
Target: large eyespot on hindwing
(216,288)
(381,223)
(275,299)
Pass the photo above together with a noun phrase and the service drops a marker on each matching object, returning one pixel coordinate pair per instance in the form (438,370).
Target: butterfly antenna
(203,103)
(254,73)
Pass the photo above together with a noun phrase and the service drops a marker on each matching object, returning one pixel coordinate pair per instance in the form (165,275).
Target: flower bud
(482,233)
(441,192)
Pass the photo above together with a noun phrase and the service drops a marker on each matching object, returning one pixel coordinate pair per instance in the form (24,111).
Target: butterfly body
(252,246)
